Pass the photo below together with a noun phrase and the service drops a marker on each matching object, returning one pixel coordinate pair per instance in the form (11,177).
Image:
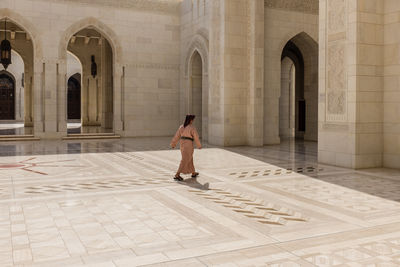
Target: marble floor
(18,128)
(114,203)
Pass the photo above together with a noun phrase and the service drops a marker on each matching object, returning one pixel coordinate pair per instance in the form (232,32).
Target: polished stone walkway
(114,203)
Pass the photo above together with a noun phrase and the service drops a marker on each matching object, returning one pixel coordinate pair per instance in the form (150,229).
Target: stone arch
(117,59)
(4,72)
(99,26)
(30,29)
(307,90)
(303,35)
(200,44)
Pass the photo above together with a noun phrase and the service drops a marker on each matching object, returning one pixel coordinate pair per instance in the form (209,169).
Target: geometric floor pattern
(114,203)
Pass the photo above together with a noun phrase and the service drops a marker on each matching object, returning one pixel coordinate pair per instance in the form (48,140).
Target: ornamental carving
(336,102)
(337,16)
(305,6)
(168,6)
(336,93)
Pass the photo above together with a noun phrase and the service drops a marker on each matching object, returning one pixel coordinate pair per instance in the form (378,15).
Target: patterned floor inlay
(276,172)
(336,196)
(32,165)
(257,209)
(106,184)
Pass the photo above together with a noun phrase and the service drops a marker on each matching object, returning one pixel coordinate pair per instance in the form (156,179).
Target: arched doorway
(287,102)
(298,103)
(196,92)
(7,97)
(17,104)
(95,54)
(74,97)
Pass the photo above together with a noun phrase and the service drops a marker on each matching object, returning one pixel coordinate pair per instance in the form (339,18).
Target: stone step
(90,136)
(10,138)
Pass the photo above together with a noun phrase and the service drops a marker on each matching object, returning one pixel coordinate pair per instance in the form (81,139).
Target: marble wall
(391,81)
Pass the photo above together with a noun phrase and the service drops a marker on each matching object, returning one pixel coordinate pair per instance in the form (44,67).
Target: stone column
(351,83)
(216,97)
(391,98)
(255,50)
(46,94)
(107,92)
(38,97)
(236,55)
(28,85)
(271,92)
(62,87)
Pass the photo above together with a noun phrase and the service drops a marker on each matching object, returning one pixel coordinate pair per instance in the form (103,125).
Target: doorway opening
(7,96)
(90,83)
(196,92)
(16,82)
(298,103)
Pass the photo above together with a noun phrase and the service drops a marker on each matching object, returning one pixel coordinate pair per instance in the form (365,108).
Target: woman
(187,134)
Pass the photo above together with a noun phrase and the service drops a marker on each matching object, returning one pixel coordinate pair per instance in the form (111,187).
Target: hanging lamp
(93,67)
(5,49)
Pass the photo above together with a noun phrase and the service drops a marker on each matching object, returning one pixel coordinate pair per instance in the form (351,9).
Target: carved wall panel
(336,16)
(336,76)
(165,6)
(305,6)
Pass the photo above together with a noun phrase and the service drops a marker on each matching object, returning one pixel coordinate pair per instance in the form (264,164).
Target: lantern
(93,68)
(5,49)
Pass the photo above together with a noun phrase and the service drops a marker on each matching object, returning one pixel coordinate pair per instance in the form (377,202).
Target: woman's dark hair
(188,119)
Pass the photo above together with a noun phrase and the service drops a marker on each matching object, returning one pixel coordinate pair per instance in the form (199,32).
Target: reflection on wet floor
(15,129)
(18,128)
(77,128)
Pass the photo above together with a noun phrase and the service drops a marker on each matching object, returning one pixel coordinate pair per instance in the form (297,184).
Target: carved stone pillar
(350,122)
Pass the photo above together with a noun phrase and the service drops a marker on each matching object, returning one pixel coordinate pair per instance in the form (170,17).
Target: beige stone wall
(73,65)
(282,24)
(391,94)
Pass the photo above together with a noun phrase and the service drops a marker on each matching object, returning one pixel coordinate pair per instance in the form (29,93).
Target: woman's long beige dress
(187,147)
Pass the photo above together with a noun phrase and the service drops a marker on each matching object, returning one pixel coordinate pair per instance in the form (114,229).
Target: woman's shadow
(192,182)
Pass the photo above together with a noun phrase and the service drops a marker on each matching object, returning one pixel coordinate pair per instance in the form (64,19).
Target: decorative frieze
(305,6)
(165,6)
(154,66)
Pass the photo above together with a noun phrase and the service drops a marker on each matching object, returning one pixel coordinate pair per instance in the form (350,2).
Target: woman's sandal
(195,175)
(178,178)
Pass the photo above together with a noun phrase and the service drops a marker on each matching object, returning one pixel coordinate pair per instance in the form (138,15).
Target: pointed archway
(298,104)
(95,44)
